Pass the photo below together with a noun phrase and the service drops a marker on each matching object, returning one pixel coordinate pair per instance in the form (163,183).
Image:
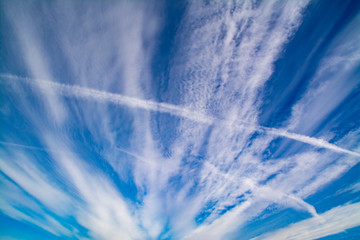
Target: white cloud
(105,213)
(20,206)
(331,222)
(26,174)
(101,208)
(332,83)
(34,55)
(221,77)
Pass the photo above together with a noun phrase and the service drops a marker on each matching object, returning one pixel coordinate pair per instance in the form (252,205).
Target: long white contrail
(22,146)
(179,111)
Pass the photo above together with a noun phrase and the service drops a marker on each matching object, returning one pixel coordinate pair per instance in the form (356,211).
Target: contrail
(22,146)
(118,99)
(309,140)
(263,191)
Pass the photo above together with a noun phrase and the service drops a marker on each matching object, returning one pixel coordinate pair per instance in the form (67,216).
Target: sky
(180,119)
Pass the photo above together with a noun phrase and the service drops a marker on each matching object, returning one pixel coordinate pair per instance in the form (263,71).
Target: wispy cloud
(35,57)
(105,212)
(96,204)
(331,222)
(25,173)
(29,189)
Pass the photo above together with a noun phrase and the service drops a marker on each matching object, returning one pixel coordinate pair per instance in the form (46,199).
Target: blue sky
(180,119)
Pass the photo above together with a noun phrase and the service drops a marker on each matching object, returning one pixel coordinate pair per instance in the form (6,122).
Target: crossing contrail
(179,111)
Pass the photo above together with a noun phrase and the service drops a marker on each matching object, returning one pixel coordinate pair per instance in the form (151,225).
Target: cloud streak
(331,222)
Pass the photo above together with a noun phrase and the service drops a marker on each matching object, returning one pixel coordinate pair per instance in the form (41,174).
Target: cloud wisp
(331,222)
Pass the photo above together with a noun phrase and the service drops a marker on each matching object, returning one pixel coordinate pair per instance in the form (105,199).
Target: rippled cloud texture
(180,119)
